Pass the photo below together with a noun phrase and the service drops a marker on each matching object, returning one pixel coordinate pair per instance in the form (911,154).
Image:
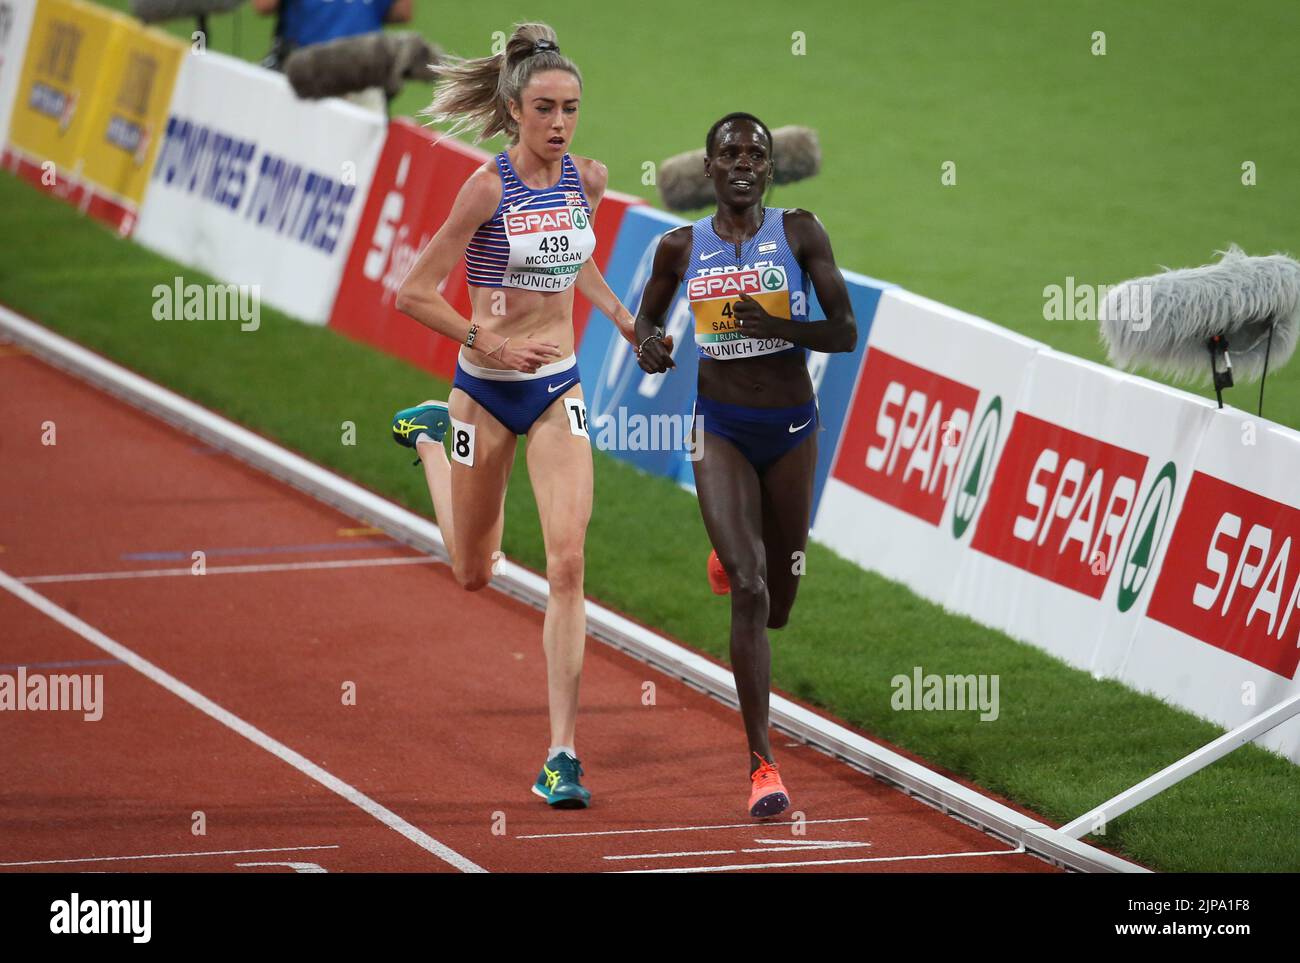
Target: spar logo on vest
(1231,577)
(713,294)
(547,246)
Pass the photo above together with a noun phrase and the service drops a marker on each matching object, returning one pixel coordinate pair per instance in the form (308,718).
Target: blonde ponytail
(475,95)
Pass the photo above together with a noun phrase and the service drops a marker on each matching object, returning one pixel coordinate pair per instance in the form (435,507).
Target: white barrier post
(1180,770)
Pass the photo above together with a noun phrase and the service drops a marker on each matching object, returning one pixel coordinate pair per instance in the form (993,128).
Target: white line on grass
(232,721)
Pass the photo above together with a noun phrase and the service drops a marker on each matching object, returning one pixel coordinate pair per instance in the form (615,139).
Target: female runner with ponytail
(523,223)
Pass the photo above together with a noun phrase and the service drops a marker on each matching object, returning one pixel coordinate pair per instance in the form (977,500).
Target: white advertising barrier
(1080,509)
(1222,625)
(257,187)
(933,403)
(1044,495)
(15,27)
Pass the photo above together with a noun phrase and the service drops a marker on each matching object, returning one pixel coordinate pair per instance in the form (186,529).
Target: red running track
(235,721)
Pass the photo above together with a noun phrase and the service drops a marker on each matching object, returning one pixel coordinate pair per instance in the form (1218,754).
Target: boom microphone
(378,59)
(683,185)
(152,11)
(1243,310)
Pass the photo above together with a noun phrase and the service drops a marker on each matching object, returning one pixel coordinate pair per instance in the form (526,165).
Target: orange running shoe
(718,580)
(769,797)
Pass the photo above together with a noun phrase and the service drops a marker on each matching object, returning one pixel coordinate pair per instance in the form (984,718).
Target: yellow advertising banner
(130,111)
(71,44)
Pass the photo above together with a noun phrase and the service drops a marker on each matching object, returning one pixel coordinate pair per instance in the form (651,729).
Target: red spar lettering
(1076,502)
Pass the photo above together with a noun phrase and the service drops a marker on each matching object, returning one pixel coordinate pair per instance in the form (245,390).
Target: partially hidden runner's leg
(787,487)
(469,490)
(559,465)
(731,503)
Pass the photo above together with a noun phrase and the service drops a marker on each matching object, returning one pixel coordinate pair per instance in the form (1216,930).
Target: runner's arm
(591,283)
(665,278)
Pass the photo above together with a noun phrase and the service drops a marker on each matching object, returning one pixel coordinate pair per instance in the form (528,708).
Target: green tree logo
(1147,534)
(978,468)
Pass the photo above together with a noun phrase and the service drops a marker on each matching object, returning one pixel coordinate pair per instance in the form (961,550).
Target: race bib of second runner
(713,298)
(547,247)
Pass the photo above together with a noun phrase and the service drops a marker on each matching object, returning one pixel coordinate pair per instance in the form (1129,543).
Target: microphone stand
(1218,345)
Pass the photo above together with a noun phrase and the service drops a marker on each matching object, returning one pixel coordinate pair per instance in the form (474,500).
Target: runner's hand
(753,321)
(657,355)
(528,355)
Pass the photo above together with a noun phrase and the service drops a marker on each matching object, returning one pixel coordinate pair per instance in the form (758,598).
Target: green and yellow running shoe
(560,783)
(432,416)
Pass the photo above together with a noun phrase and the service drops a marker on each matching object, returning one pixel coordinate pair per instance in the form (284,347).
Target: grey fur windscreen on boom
(683,185)
(384,58)
(1163,322)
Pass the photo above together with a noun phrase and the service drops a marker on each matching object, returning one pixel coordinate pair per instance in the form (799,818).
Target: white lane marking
(698,852)
(215,852)
(296,867)
(810,843)
(232,721)
(687,829)
(778,846)
(230,569)
(798,846)
(819,862)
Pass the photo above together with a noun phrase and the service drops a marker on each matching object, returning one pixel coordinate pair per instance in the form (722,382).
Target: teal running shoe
(432,416)
(559,783)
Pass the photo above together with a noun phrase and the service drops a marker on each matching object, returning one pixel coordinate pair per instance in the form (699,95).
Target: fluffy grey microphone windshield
(379,59)
(152,11)
(684,187)
(1163,322)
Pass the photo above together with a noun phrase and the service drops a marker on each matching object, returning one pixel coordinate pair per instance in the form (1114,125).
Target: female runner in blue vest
(523,222)
(747,269)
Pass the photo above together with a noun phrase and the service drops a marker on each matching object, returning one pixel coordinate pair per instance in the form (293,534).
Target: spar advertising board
(257,187)
(1080,509)
(1128,528)
(416,180)
(1222,630)
(932,405)
(418,176)
(16,18)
